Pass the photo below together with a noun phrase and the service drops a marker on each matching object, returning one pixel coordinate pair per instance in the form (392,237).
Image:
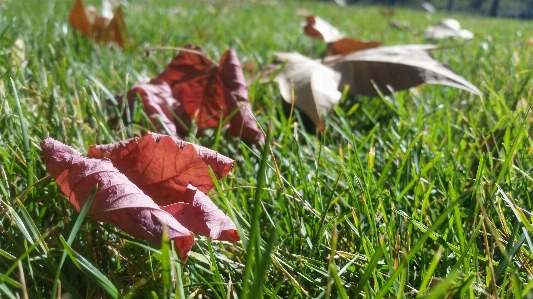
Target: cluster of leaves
(196,92)
(159,183)
(364,67)
(192,88)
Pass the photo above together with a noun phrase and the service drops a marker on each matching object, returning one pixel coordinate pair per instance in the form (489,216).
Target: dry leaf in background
(316,27)
(428,7)
(18,60)
(194,87)
(387,12)
(399,67)
(400,25)
(143,185)
(447,28)
(341,2)
(315,85)
(99,28)
(346,46)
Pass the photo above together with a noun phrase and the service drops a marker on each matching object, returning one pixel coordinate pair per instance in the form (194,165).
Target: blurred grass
(434,214)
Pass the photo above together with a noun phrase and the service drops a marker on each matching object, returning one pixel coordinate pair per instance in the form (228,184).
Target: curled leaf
(317,28)
(314,85)
(161,107)
(447,28)
(174,174)
(100,29)
(118,201)
(202,217)
(399,67)
(163,167)
(203,91)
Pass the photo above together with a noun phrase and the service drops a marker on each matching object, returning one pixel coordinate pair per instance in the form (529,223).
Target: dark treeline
(505,8)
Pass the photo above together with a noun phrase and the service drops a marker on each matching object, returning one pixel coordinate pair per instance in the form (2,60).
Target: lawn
(421,194)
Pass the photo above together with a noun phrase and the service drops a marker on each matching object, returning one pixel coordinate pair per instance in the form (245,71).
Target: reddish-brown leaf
(347,45)
(205,92)
(161,106)
(118,201)
(202,217)
(163,167)
(195,82)
(388,13)
(100,29)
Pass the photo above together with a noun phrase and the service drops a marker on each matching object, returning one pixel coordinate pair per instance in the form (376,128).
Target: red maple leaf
(194,87)
(163,167)
(129,200)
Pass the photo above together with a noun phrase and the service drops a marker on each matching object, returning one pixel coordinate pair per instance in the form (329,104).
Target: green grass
(396,199)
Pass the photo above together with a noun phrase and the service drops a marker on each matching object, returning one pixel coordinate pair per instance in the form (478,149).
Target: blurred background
(522,9)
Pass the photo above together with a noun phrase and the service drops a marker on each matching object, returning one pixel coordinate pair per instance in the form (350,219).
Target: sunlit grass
(435,214)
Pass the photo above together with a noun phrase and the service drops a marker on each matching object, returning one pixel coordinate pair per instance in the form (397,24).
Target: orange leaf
(100,29)
(347,45)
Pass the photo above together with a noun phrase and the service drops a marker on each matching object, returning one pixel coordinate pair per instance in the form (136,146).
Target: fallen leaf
(428,7)
(161,107)
(100,29)
(400,24)
(399,67)
(347,45)
(341,2)
(118,201)
(387,12)
(18,58)
(316,27)
(446,28)
(315,85)
(174,174)
(201,90)
(156,190)
(107,8)
(163,167)
(337,43)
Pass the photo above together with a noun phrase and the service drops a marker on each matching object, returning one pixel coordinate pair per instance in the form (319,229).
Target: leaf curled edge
(118,201)
(173,173)
(199,214)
